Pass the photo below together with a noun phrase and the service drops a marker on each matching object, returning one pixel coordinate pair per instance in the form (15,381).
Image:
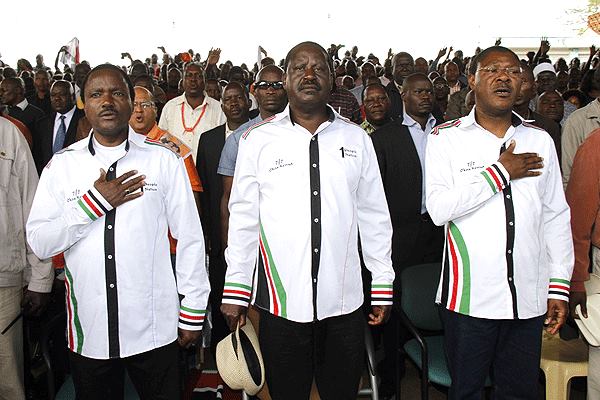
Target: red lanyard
(185,128)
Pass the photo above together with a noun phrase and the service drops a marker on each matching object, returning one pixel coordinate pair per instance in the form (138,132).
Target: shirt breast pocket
(6,164)
(344,164)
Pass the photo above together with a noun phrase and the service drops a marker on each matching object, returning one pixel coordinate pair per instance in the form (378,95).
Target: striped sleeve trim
(190,318)
(496,177)
(93,204)
(237,293)
(449,124)
(382,294)
(559,289)
(263,122)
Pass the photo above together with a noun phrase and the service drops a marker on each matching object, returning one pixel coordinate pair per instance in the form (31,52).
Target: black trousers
(508,350)
(330,351)
(216,276)
(155,375)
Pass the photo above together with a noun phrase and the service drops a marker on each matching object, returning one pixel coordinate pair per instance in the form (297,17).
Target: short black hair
(239,85)
(112,68)
(415,76)
(371,85)
(493,49)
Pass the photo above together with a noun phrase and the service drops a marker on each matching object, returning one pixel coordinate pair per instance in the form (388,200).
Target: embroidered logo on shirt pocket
(280,163)
(346,152)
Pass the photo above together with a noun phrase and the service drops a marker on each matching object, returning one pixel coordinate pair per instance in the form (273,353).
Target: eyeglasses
(264,85)
(513,72)
(144,104)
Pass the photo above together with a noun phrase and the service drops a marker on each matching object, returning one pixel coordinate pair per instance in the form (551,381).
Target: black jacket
(207,161)
(42,143)
(396,106)
(402,181)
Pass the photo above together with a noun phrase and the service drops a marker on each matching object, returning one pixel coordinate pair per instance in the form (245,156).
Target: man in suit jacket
(235,104)
(12,93)
(400,148)
(403,65)
(58,129)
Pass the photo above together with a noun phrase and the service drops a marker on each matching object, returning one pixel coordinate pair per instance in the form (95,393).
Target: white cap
(543,67)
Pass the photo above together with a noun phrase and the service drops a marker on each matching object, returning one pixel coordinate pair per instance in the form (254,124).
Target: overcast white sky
(107,28)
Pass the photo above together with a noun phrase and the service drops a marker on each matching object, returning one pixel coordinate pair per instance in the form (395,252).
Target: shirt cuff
(225,171)
(382,294)
(496,176)
(191,319)
(559,289)
(93,204)
(41,286)
(237,293)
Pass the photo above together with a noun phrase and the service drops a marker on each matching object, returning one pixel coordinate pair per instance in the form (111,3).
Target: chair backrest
(419,286)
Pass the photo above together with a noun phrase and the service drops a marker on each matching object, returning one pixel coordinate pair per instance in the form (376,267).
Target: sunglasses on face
(263,85)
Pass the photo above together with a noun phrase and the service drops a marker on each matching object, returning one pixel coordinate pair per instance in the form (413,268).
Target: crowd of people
(158,200)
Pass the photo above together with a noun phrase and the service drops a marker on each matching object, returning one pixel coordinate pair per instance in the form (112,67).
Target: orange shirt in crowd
(184,151)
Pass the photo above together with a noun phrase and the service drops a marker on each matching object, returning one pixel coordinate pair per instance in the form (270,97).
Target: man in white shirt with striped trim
(494,181)
(126,309)
(305,181)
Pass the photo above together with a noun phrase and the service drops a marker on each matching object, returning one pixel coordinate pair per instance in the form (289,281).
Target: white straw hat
(239,360)
(590,326)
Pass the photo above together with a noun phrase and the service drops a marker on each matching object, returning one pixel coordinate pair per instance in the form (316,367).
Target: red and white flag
(70,55)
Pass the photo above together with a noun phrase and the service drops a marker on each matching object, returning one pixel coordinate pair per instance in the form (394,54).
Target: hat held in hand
(239,360)
(590,326)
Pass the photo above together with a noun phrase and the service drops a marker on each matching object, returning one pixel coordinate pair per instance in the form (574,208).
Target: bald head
(12,91)
(403,65)
(143,118)
(62,96)
(143,94)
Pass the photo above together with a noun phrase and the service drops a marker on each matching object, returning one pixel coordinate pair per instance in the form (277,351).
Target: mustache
(306,83)
(108,110)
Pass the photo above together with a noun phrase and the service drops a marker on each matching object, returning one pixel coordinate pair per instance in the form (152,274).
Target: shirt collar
(22,105)
(469,120)
(132,137)
(68,114)
(399,87)
(593,111)
(287,114)
(409,121)
(183,100)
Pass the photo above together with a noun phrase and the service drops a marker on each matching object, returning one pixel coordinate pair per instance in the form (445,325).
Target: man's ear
(471,80)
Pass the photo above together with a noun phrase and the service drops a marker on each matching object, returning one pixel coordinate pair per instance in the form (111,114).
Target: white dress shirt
(419,138)
(297,203)
(23,104)
(508,242)
(68,117)
(122,294)
(171,120)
